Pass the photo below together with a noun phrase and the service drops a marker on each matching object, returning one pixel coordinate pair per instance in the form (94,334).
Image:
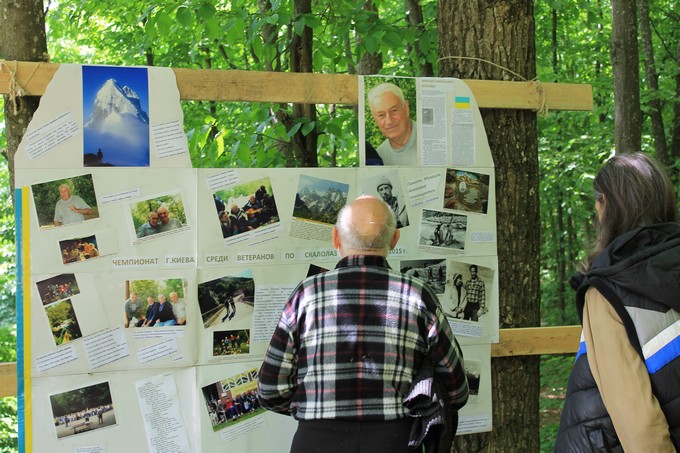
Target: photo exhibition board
(110,239)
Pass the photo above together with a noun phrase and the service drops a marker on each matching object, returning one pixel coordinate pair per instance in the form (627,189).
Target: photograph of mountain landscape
(115,117)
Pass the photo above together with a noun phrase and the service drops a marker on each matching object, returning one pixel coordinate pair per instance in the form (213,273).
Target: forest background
(546,212)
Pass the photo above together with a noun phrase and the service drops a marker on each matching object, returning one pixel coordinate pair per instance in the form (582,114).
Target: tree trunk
(414,16)
(301,61)
(654,102)
(24,41)
(369,63)
(503,33)
(626,67)
(675,135)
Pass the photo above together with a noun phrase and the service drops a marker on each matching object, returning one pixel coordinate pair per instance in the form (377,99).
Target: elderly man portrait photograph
(65,201)
(351,343)
(391,113)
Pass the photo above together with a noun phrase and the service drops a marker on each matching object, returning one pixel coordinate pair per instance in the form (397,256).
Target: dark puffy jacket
(639,274)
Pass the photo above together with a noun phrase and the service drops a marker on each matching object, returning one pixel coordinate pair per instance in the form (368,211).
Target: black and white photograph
(431,271)
(388,188)
(443,230)
(470,291)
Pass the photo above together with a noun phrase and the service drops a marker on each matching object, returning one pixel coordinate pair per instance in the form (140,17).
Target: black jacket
(639,274)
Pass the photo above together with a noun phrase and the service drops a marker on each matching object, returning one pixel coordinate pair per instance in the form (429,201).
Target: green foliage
(554,372)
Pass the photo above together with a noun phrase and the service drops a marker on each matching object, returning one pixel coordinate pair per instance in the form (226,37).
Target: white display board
(113,137)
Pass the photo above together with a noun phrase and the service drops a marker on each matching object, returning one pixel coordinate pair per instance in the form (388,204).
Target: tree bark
(369,63)
(503,32)
(25,40)
(626,67)
(301,61)
(654,103)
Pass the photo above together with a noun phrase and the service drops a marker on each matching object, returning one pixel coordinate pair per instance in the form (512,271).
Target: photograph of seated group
(164,302)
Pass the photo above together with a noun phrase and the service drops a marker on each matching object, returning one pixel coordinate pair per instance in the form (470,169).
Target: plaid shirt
(349,342)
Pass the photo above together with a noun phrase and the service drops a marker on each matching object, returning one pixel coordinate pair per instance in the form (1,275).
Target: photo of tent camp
(57,288)
(63,322)
(82,410)
(232,400)
(466,191)
(226,299)
(65,201)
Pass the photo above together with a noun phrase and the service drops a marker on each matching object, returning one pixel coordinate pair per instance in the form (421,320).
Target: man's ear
(395,239)
(336,239)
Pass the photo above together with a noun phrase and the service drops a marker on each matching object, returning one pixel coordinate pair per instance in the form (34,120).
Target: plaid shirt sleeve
(277,380)
(447,356)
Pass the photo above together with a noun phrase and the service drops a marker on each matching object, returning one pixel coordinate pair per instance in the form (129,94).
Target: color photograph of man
(65,201)
(391,113)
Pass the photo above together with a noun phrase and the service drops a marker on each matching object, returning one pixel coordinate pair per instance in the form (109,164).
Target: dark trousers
(340,436)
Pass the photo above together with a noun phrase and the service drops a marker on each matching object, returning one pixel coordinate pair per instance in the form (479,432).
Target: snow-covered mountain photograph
(115,117)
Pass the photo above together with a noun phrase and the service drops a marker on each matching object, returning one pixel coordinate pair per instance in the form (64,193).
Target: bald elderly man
(349,342)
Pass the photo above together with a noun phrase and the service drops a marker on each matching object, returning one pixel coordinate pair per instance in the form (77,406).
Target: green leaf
(212,28)
(184,16)
(206,11)
(293,130)
(308,127)
(163,22)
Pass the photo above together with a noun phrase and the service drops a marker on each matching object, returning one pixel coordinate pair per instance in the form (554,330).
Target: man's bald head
(366,226)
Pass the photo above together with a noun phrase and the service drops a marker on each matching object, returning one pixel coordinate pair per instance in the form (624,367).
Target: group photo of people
(231,342)
(83,409)
(65,201)
(155,303)
(232,400)
(158,215)
(443,229)
(57,288)
(78,249)
(245,207)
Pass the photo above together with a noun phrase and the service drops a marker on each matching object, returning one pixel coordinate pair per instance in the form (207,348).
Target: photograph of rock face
(115,117)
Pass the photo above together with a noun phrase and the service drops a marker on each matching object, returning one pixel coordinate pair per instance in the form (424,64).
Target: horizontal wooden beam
(536,341)
(261,86)
(513,342)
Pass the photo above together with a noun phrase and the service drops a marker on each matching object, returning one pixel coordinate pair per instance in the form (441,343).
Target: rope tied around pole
(540,91)
(15,89)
